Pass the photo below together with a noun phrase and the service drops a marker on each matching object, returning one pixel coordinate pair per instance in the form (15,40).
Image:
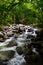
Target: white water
(22,39)
(32,33)
(6,42)
(8,48)
(18,59)
(34,50)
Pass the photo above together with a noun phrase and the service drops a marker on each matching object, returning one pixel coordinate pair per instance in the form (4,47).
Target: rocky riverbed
(21,45)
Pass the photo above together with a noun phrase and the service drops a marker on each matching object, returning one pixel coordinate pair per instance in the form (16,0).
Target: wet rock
(27,51)
(41,44)
(33,25)
(19,50)
(12,43)
(5,37)
(1,34)
(40,50)
(6,27)
(10,33)
(34,57)
(27,45)
(31,58)
(40,34)
(1,40)
(3,61)
(6,54)
(36,44)
(20,30)
(15,31)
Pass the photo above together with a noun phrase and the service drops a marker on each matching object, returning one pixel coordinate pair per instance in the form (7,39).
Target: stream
(21,40)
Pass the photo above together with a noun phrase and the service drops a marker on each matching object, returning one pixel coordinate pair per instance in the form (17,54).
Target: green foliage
(21,11)
(1,27)
(28,13)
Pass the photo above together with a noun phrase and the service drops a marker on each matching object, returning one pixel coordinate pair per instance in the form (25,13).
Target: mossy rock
(41,51)
(27,51)
(40,34)
(19,50)
(11,43)
(1,27)
(41,44)
(6,54)
(31,58)
(34,57)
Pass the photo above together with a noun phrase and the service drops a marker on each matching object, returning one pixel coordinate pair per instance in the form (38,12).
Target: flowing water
(21,40)
(18,59)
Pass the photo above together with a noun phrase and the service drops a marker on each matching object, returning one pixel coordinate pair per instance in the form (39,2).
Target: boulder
(39,33)
(40,50)
(27,51)
(31,58)
(6,27)
(2,40)
(19,50)
(1,34)
(6,54)
(12,43)
(9,33)
(5,36)
(3,61)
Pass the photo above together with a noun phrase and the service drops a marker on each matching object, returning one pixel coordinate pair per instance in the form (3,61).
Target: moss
(6,54)
(1,27)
